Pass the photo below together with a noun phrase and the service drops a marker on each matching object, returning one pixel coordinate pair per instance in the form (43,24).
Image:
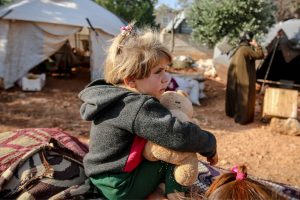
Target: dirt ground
(268,155)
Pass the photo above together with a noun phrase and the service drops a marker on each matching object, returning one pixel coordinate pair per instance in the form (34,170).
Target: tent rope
(270,63)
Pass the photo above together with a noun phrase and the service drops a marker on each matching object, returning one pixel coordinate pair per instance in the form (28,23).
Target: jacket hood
(97,96)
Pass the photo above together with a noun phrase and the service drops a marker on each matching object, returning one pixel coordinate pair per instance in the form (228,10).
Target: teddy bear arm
(180,115)
(154,152)
(149,151)
(186,174)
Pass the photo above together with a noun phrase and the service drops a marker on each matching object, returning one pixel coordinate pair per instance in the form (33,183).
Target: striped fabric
(40,164)
(15,144)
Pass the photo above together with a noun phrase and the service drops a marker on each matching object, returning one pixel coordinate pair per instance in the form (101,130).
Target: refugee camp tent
(221,57)
(33,30)
(179,24)
(282,63)
(222,51)
(283,54)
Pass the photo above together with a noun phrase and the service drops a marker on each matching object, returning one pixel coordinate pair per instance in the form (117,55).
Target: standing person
(125,112)
(241,79)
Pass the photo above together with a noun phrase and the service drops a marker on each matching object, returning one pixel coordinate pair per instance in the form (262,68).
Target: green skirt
(139,183)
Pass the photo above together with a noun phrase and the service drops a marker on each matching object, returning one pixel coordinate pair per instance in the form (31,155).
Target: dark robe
(241,79)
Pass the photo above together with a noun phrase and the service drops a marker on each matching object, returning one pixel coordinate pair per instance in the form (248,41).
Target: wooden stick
(278,83)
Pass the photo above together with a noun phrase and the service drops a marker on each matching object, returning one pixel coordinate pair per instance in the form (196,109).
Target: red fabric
(135,156)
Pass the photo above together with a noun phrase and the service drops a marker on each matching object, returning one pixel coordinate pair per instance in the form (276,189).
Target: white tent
(291,29)
(178,23)
(33,30)
(222,52)
(282,61)
(284,64)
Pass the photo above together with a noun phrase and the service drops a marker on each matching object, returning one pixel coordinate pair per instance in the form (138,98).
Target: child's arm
(155,123)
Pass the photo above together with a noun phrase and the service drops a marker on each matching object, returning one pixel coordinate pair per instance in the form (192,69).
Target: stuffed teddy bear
(186,170)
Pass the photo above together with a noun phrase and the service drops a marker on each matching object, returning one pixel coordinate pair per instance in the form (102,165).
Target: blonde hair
(228,187)
(133,54)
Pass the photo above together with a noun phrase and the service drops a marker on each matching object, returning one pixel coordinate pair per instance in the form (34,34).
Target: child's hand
(213,160)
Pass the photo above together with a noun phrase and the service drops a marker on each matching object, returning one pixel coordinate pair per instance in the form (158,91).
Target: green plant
(141,11)
(212,20)
(4,2)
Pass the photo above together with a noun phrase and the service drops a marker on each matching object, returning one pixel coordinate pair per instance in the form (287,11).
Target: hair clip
(126,29)
(239,175)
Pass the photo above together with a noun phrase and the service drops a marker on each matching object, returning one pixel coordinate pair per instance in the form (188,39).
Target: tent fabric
(290,27)
(286,61)
(3,41)
(178,23)
(99,42)
(223,52)
(279,69)
(31,47)
(288,52)
(178,19)
(67,12)
(220,58)
(289,33)
(36,29)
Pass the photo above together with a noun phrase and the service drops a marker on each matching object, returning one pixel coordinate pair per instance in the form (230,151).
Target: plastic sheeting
(3,41)
(32,30)
(99,42)
(65,12)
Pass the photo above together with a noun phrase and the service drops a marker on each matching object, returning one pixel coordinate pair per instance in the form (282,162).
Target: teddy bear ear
(183,93)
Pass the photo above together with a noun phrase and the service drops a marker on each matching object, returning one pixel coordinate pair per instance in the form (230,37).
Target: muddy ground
(268,155)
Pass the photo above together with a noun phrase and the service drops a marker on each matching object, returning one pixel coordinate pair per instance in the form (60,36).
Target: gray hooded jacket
(122,122)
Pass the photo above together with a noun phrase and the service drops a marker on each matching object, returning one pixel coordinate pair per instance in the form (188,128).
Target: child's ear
(130,82)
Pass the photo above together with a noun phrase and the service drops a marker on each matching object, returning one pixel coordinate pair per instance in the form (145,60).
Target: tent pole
(279,83)
(75,41)
(91,26)
(270,63)
(172,37)
(6,13)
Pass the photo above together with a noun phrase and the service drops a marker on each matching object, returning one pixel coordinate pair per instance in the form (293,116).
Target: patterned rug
(45,163)
(40,163)
(16,144)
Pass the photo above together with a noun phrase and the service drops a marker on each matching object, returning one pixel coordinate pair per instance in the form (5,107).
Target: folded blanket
(39,163)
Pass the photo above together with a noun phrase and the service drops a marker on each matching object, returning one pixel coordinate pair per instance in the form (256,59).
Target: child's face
(156,84)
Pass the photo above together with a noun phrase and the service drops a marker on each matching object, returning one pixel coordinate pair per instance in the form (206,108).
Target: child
(235,185)
(125,113)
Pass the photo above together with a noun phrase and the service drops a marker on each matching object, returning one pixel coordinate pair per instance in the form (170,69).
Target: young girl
(125,112)
(235,185)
